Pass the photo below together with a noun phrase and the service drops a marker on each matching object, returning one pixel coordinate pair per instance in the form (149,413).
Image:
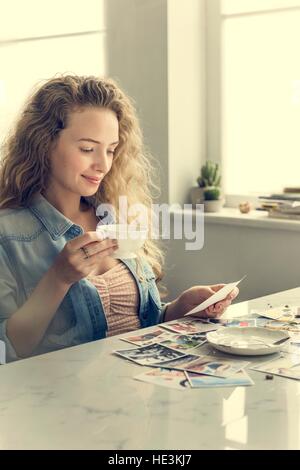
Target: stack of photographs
(177,360)
(176,352)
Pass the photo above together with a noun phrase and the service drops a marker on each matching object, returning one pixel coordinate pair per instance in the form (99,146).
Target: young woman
(77,144)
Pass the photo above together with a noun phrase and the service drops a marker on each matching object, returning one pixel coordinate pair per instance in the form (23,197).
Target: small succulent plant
(210,181)
(212,194)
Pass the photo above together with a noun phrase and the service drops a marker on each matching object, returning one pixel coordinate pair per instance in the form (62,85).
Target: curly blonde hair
(25,166)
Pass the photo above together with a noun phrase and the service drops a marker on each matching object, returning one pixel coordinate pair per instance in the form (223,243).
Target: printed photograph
(185,342)
(151,337)
(239,322)
(291,348)
(189,327)
(240,379)
(147,355)
(286,366)
(166,378)
(295,338)
(282,313)
(220,368)
(178,363)
(286,326)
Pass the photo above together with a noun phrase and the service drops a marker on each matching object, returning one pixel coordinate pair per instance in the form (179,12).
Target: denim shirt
(30,240)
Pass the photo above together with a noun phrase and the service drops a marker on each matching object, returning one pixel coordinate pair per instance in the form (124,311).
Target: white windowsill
(231,216)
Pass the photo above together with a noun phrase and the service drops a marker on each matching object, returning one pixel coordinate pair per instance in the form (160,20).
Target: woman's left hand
(196,295)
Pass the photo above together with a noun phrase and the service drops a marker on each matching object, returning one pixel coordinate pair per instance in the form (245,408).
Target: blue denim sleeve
(8,302)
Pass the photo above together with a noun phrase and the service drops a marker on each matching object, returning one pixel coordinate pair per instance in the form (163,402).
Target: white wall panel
(270,258)
(27,63)
(35,18)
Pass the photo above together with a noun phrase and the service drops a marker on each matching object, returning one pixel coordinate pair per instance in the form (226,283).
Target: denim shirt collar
(53,220)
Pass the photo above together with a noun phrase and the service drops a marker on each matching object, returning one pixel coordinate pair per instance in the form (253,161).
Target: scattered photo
(238,322)
(278,325)
(189,326)
(155,336)
(291,348)
(259,320)
(262,322)
(185,342)
(165,377)
(295,338)
(208,365)
(282,313)
(148,355)
(178,363)
(240,379)
(285,366)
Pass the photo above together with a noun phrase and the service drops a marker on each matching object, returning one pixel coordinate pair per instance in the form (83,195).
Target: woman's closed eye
(90,149)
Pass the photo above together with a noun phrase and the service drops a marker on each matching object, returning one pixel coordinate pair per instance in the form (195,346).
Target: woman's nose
(102,162)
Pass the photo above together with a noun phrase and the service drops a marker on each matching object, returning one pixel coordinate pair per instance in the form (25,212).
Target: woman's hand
(71,264)
(196,295)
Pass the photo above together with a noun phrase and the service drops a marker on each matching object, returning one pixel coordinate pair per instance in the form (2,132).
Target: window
(38,42)
(259,105)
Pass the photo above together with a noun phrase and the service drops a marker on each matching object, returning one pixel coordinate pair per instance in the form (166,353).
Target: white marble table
(86,398)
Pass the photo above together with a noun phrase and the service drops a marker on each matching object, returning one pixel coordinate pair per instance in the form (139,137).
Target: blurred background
(214,80)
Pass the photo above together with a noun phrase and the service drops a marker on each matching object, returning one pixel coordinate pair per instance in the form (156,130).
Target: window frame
(214,135)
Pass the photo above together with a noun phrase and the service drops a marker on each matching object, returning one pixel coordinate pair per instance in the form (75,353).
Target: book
(288,210)
(282,206)
(274,214)
(295,190)
(269,205)
(281,197)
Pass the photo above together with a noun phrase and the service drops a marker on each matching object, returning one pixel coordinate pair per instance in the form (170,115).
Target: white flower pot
(213,206)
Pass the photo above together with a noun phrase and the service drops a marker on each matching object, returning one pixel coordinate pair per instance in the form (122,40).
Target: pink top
(120,299)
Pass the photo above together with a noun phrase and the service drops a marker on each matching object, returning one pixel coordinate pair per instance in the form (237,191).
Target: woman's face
(84,151)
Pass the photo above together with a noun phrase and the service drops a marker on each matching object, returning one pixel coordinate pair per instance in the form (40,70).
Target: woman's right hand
(71,264)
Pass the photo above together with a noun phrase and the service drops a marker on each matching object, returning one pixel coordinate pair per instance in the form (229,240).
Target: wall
(156,51)
(137,58)
(270,258)
(186,91)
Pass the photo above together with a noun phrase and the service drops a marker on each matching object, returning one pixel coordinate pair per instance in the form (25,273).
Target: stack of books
(285,205)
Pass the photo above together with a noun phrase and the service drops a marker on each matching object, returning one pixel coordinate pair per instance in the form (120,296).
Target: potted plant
(209,182)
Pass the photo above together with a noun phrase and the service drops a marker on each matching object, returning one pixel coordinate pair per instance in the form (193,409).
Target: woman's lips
(91,180)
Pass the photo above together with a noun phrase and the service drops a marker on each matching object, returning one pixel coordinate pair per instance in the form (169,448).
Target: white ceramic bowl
(248,341)
(129,239)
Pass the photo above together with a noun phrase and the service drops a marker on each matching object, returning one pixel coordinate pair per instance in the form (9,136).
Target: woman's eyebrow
(87,139)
